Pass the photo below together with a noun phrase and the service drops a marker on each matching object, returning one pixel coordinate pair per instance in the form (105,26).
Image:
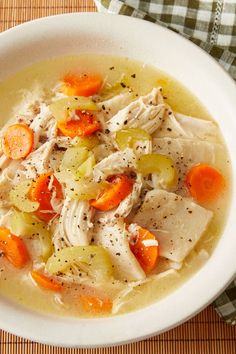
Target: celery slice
(86,168)
(160,164)
(73,158)
(79,161)
(88,141)
(24,224)
(76,166)
(96,257)
(18,197)
(63,106)
(128,137)
(64,176)
(84,189)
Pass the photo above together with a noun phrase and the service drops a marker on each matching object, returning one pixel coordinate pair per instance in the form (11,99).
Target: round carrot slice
(13,248)
(83,85)
(146,255)
(205,183)
(46,282)
(95,304)
(86,124)
(120,187)
(40,193)
(17,141)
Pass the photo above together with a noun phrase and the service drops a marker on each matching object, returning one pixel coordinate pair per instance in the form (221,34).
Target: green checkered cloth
(212,26)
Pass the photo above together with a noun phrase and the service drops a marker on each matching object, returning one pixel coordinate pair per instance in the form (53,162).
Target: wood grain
(205,333)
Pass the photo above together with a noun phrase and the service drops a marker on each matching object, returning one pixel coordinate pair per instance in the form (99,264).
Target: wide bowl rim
(53,336)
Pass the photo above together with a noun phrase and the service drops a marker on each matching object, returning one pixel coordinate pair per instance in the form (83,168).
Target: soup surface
(114,186)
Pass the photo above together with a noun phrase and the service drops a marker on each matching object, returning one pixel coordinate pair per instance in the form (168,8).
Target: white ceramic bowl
(152,44)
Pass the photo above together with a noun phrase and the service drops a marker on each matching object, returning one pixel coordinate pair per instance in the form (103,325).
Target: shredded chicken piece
(7,181)
(102,151)
(147,113)
(29,106)
(74,224)
(113,105)
(142,147)
(150,243)
(38,162)
(64,142)
(176,125)
(5,188)
(5,215)
(51,129)
(43,124)
(31,99)
(118,162)
(107,140)
(56,203)
(56,159)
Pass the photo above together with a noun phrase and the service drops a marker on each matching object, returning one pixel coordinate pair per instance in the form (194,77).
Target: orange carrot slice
(13,248)
(40,193)
(205,183)
(17,141)
(83,85)
(95,304)
(46,282)
(86,124)
(146,255)
(120,187)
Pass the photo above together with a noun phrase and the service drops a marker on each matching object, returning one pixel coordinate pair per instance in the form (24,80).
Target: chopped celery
(78,161)
(73,158)
(97,259)
(61,108)
(88,141)
(84,189)
(160,164)
(21,223)
(75,169)
(80,188)
(86,168)
(24,224)
(64,176)
(128,137)
(18,197)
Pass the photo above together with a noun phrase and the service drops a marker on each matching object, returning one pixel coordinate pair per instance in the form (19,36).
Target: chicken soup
(114,186)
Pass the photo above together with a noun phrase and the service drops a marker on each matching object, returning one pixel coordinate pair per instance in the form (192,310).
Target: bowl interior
(118,35)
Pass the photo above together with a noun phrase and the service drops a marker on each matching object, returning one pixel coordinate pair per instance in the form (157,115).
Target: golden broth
(15,284)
